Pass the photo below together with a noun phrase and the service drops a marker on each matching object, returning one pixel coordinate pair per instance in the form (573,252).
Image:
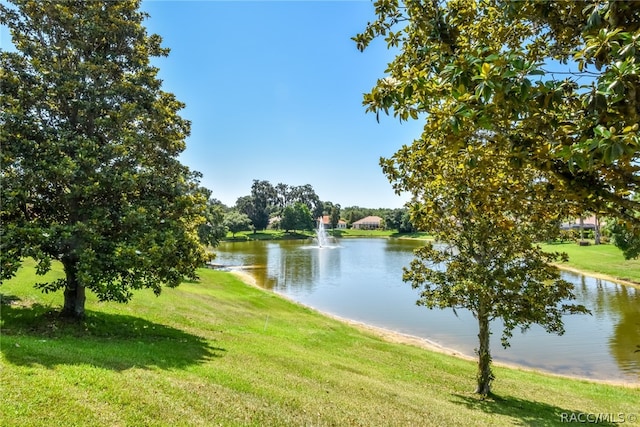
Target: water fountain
(321,235)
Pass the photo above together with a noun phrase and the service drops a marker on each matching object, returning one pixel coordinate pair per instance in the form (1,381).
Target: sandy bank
(599,276)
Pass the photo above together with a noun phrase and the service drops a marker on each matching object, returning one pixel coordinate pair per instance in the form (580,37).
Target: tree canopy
(265,200)
(623,236)
(262,196)
(560,78)
(235,222)
(487,217)
(334,215)
(296,217)
(90,146)
(214,228)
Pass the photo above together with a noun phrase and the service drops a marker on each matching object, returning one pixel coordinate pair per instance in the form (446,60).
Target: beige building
(368,223)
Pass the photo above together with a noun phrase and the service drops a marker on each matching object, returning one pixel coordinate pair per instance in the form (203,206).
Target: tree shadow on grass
(33,334)
(525,412)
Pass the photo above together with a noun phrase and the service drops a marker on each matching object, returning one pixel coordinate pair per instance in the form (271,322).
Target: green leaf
(486,70)
(617,151)
(594,19)
(408,91)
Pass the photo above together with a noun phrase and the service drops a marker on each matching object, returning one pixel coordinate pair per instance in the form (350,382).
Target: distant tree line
(289,208)
(295,206)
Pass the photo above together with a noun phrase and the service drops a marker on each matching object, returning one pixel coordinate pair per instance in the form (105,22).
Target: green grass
(354,232)
(219,352)
(602,259)
(269,235)
(338,233)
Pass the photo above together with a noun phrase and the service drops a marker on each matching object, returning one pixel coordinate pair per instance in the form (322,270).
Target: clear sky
(274,92)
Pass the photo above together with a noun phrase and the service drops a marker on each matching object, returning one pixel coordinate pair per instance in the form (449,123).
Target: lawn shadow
(33,334)
(523,412)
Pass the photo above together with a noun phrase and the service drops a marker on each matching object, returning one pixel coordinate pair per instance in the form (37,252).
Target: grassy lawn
(269,235)
(603,259)
(338,233)
(219,352)
(354,232)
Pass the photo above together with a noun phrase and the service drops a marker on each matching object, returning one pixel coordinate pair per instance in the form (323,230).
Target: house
(589,223)
(368,223)
(326,222)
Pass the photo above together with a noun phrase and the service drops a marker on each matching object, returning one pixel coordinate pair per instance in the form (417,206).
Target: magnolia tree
(559,78)
(487,217)
(90,146)
(548,92)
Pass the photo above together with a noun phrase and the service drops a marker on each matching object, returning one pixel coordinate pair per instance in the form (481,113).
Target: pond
(361,280)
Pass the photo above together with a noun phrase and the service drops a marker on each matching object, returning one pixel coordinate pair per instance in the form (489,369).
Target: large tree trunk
(74,293)
(485,375)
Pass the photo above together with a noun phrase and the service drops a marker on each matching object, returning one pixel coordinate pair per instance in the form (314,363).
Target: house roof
(587,221)
(369,220)
(326,219)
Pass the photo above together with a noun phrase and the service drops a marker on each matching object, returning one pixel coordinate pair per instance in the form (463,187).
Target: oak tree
(235,222)
(334,215)
(296,217)
(90,146)
(307,195)
(257,205)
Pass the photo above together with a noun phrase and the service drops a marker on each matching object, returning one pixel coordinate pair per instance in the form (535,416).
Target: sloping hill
(221,352)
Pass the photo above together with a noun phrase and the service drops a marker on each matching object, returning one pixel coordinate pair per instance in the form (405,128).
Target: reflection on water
(362,280)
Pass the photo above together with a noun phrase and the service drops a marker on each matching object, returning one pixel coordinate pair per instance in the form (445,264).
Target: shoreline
(424,343)
(598,276)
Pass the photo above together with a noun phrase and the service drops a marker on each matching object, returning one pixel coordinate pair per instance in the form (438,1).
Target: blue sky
(274,92)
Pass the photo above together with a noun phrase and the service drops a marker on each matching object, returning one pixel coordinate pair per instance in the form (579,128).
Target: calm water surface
(361,279)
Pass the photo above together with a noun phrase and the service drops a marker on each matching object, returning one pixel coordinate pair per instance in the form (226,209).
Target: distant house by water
(326,221)
(368,223)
